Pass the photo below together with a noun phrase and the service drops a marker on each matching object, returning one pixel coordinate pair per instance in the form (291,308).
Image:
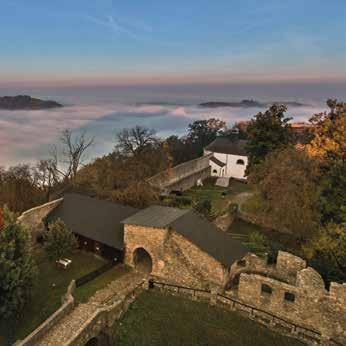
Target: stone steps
(66,328)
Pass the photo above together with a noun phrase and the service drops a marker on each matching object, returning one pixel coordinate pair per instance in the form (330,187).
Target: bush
(59,240)
(204,208)
(258,243)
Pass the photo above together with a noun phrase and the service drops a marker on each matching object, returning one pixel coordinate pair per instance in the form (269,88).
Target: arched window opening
(240,162)
(215,171)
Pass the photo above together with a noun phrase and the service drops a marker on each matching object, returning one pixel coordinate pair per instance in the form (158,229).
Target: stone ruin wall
(32,218)
(183,176)
(313,306)
(174,257)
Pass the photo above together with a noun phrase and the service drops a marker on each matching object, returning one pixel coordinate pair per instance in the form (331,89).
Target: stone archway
(142,260)
(92,342)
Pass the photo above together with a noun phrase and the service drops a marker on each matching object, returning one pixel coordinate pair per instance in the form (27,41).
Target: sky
(135,42)
(119,63)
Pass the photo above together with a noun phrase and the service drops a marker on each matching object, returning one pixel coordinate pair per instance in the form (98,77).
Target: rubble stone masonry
(174,257)
(294,292)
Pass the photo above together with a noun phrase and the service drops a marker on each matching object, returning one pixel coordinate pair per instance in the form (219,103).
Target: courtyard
(160,319)
(50,285)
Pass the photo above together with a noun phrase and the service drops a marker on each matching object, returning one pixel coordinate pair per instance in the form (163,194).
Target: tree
(73,152)
(20,181)
(17,266)
(267,132)
(329,146)
(203,132)
(327,250)
(137,195)
(135,140)
(287,186)
(46,176)
(59,240)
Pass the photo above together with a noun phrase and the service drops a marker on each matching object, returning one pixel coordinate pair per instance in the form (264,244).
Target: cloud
(114,24)
(26,136)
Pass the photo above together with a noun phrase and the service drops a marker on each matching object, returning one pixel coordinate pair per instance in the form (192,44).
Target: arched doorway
(92,342)
(142,260)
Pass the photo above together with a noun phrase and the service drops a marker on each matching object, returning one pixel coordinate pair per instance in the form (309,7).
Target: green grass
(45,298)
(158,319)
(83,293)
(214,193)
(277,239)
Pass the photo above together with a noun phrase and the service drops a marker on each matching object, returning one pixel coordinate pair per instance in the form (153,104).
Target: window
(266,290)
(215,171)
(240,162)
(290,297)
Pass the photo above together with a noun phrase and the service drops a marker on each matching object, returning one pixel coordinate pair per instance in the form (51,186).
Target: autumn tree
(327,251)
(17,266)
(329,147)
(287,186)
(138,194)
(268,132)
(59,241)
(19,188)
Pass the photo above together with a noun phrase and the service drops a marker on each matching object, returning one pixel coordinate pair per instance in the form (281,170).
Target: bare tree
(134,140)
(73,151)
(46,176)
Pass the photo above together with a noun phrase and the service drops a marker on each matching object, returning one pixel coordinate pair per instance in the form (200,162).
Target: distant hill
(24,102)
(247,104)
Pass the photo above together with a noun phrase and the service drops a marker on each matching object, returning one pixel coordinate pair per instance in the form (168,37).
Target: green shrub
(59,240)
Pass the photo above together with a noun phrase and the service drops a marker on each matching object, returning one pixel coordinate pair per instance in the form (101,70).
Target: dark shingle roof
(218,162)
(92,218)
(155,216)
(209,238)
(224,145)
(193,227)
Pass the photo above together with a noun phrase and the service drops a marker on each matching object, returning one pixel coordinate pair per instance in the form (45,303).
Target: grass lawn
(45,298)
(83,293)
(214,193)
(277,239)
(159,319)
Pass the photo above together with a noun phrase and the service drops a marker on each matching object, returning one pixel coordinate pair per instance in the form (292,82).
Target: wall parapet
(190,169)
(226,301)
(33,218)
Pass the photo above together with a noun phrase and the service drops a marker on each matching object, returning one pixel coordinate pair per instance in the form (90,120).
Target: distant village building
(229,158)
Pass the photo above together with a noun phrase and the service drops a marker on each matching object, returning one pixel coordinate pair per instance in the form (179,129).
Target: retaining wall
(183,176)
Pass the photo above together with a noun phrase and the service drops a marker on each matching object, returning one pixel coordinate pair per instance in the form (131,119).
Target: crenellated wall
(291,290)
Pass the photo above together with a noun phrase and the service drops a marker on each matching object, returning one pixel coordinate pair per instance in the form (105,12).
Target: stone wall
(174,257)
(32,218)
(41,330)
(285,269)
(183,176)
(101,324)
(292,291)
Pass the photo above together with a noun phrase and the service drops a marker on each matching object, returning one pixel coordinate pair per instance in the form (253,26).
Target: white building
(229,157)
